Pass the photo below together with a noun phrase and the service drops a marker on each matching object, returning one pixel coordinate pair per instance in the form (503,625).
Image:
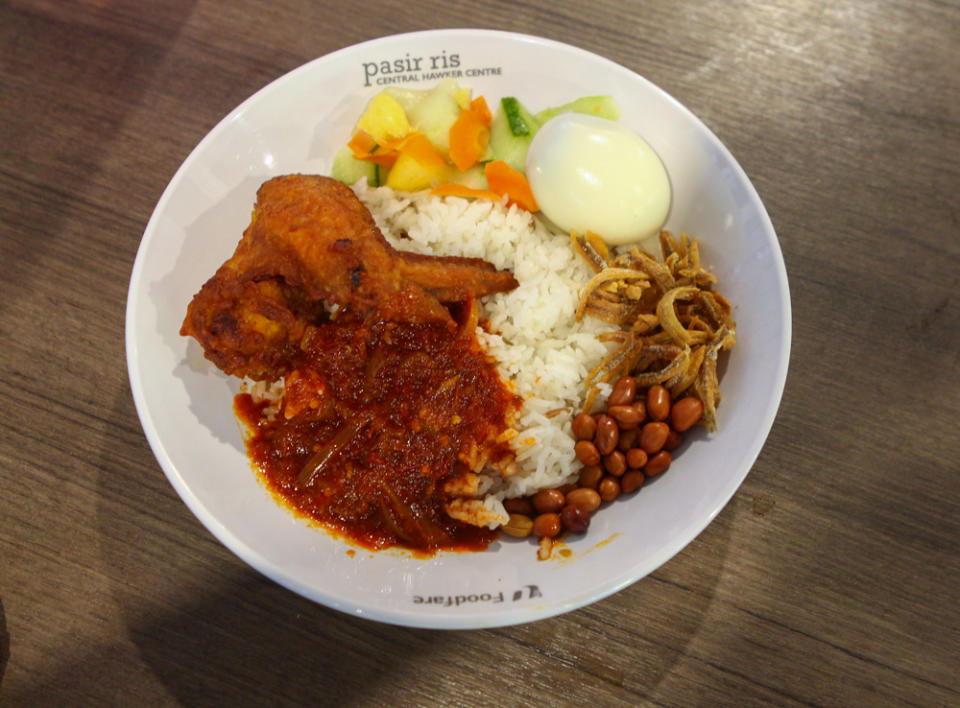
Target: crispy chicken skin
(312,247)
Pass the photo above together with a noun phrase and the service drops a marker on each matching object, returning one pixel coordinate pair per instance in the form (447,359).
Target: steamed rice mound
(531,331)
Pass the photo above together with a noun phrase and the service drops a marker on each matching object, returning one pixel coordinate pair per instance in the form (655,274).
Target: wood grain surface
(832,576)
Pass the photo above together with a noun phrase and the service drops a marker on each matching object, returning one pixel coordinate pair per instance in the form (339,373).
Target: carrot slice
(452,189)
(419,148)
(479,106)
(469,136)
(505,180)
(362,144)
(365,147)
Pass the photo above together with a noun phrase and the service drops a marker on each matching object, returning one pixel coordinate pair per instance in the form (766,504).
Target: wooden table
(831,577)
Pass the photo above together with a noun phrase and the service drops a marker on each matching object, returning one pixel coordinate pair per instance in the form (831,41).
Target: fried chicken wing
(312,248)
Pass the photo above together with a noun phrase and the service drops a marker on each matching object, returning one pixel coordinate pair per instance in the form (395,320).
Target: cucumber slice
(506,146)
(600,106)
(510,138)
(349,170)
(474,177)
(433,116)
(407,98)
(519,118)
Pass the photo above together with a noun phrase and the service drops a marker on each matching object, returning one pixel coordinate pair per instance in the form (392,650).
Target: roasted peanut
(608,435)
(548,500)
(627,417)
(583,426)
(587,452)
(686,413)
(546,525)
(657,464)
(584,498)
(590,476)
(575,519)
(641,409)
(653,435)
(674,440)
(628,439)
(518,505)
(631,481)
(623,392)
(519,526)
(615,463)
(658,402)
(608,489)
(636,458)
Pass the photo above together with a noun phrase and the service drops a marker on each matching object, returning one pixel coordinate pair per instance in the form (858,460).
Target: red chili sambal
(374,419)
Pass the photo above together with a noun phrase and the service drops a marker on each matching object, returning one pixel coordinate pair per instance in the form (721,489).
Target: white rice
(538,345)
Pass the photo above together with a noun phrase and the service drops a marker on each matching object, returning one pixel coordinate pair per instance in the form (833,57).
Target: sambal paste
(377,417)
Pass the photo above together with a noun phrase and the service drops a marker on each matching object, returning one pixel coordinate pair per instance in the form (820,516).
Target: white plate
(296,124)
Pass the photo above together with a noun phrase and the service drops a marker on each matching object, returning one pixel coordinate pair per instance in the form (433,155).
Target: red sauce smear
(387,411)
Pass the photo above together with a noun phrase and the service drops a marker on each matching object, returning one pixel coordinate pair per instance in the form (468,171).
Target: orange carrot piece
(365,147)
(362,144)
(420,148)
(451,189)
(468,139)
(479,105)
(396,145)
(507,181)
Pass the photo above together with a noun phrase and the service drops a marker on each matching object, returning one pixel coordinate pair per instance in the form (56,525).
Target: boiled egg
(590,173)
